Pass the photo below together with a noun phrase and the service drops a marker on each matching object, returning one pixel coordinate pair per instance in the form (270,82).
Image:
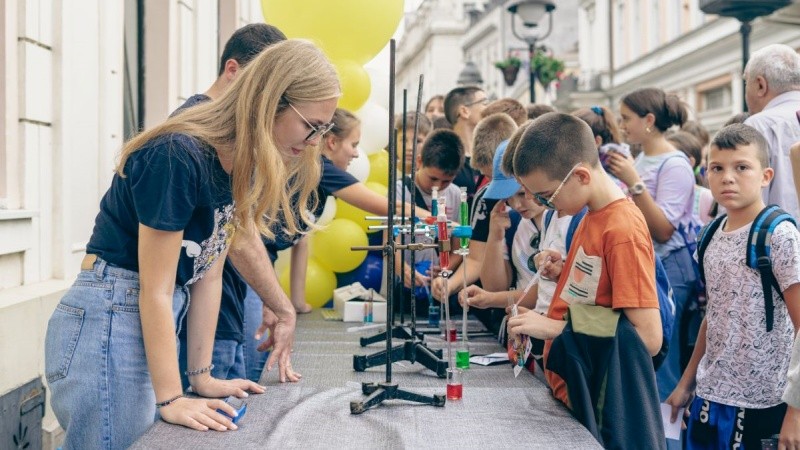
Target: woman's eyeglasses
(316,131)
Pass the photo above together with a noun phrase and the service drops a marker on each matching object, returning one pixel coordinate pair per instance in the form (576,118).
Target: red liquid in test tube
(444,257)
(451,335)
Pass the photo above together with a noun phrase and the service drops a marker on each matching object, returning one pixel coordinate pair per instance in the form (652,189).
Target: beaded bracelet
(167,402)
(191,373)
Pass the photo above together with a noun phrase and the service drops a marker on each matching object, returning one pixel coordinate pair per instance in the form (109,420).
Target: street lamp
(745,11)
(531,12)
(470,75)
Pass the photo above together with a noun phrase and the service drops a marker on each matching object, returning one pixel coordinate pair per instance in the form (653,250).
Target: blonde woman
(181,191)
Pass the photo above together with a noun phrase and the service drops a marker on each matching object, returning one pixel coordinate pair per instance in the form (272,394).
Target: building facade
(441,36)
(671,44)
(76,79)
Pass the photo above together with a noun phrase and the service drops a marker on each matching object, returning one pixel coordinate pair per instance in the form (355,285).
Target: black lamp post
(470,75)
(531,12)
(745,11)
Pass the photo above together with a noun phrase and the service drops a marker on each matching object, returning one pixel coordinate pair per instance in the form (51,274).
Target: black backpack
(758,251)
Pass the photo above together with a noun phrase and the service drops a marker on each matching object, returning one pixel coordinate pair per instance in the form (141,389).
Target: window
(619,34)
(716,98)
(133,79)
(654,24)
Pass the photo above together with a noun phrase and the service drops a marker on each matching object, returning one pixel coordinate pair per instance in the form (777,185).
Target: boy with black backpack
(750,260)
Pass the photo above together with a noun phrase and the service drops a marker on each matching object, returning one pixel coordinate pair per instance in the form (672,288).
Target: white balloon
(374,127)
(359,167)
(329,211)
(379,80)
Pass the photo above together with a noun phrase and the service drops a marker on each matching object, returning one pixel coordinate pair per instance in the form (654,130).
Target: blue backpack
(666,304)
(758,251)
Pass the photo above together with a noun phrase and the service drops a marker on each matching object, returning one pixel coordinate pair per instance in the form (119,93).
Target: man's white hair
(779,64)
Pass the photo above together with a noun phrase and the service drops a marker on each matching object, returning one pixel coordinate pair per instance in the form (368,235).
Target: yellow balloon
(330,246)
(355,84)
(320,283)
(354,30)
(347,211)
(379,167)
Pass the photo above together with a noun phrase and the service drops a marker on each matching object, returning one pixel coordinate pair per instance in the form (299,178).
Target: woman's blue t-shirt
(173,183)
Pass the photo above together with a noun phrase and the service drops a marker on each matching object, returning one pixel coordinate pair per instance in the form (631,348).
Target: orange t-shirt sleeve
(631,270)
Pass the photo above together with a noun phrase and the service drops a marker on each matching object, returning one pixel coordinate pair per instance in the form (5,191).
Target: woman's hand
(499,222)
(199,414)
(208,386)
(622,168)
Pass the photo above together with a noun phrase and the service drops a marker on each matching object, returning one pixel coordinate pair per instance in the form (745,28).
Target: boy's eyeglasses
(316,131)
(548,202)
(483,101)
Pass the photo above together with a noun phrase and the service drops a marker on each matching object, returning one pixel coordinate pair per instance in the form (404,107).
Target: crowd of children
(570,220)
(567,223)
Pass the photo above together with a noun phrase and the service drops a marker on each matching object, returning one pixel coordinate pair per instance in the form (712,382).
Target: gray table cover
(497,411)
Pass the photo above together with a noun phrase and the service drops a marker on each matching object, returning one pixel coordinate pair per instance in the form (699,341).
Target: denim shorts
(95,361)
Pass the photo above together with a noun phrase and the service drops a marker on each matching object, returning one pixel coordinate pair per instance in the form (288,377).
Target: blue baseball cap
(502,186)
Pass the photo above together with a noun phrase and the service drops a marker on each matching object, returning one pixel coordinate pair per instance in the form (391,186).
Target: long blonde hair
(243,118)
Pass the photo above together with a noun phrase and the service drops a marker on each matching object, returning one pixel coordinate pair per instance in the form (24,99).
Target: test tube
(464,215)
(435,201)
(441,225)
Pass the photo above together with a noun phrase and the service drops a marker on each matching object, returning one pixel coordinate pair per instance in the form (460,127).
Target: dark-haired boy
(438,162)
(610,262)
(738,370)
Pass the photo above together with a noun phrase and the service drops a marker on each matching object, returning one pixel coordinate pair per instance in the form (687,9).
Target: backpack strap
(418,199)
(758,254)
(573,225)
(703,239)
(548,217)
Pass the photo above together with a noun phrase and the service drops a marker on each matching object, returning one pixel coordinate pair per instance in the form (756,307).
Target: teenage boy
(738,370)
(463,107)
(438,163)
(610,262)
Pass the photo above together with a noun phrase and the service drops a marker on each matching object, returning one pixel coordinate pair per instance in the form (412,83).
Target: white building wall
(680,50)
(430,46)
(61,130)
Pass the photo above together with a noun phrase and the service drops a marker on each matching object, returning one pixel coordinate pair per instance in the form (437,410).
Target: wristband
(167,402)
(191,373)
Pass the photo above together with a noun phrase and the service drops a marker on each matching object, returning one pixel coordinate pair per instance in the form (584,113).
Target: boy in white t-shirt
(738,370)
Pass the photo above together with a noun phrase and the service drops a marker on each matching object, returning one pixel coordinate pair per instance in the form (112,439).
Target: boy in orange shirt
(610,262)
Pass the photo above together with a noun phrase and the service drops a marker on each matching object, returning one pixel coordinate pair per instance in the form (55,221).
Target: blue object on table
(238,405)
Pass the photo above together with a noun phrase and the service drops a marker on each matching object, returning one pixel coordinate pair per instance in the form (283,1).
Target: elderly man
(772,94)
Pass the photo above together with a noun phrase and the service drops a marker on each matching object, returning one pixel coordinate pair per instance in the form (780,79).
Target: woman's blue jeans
(95,361)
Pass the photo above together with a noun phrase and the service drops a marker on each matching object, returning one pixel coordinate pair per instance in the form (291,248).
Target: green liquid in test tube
(435,202)
(464,215)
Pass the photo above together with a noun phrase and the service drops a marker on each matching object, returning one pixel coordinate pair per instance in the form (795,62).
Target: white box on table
(347,300)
